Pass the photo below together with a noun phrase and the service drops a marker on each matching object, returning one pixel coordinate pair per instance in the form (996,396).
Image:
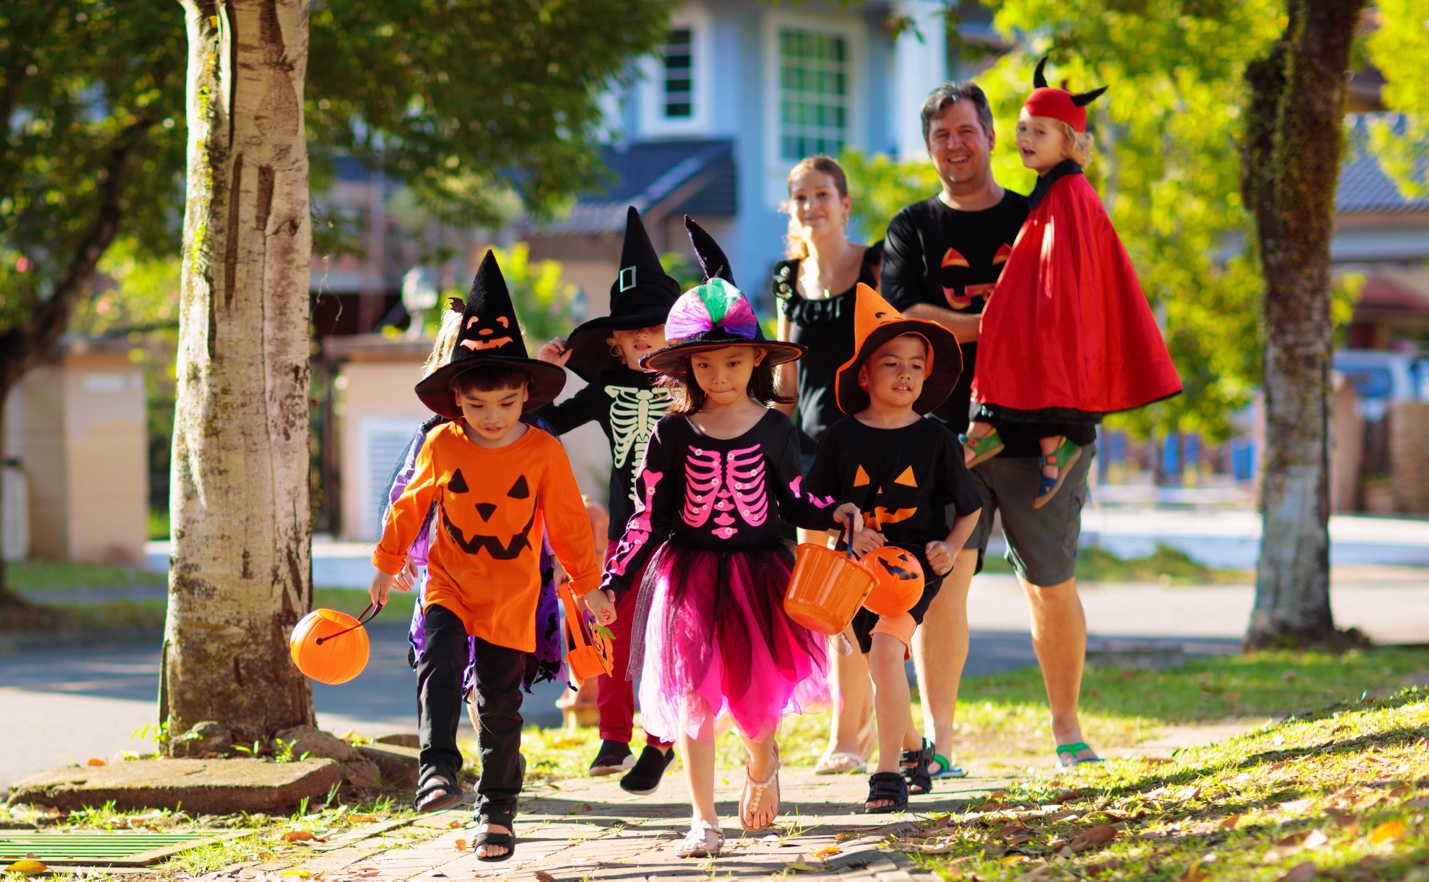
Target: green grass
(36,577)
(1344,789)
(1167,565)
(158,523)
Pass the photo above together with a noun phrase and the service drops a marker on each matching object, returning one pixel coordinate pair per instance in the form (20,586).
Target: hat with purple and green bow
(714,315)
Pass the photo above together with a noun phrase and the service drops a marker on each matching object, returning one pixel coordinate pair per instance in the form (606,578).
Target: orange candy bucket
(826,588)
(588,648)
(331,646)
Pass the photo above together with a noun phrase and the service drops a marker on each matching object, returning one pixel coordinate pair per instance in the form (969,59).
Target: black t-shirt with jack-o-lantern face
(903,480)
(949,258)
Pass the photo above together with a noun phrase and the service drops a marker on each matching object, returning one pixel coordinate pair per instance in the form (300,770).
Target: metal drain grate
(105,848)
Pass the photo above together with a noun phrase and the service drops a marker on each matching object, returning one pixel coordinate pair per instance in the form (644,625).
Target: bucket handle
(367,615)
(573,616)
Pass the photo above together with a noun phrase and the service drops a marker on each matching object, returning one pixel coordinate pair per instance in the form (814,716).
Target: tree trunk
(1294,142)
(241,572)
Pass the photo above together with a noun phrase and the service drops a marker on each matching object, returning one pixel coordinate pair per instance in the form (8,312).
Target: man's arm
(963,325)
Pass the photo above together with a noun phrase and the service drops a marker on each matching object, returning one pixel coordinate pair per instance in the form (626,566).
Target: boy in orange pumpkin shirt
(498,484)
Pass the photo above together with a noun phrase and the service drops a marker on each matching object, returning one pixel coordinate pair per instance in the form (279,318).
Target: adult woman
(815,285)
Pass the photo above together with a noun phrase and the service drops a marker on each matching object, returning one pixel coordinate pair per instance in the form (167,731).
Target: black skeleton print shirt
(626,404)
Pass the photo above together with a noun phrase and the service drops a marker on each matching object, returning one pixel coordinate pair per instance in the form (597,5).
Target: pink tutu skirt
(717,642)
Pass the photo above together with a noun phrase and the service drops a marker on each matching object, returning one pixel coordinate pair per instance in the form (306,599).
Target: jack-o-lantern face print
(492,336)
(962,282)
(502,526)
(887,508)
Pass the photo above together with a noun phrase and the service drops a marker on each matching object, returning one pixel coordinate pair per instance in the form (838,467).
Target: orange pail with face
(826,589)
(331,646)
(589,652)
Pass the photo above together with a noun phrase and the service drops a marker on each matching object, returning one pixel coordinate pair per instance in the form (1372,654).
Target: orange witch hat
(875,322)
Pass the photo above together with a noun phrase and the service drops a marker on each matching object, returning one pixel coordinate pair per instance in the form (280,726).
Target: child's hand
(407,579)
(848,513)
(554,352)
(940,556)
(381,584)
(558,574)
(867,540)
(600,606)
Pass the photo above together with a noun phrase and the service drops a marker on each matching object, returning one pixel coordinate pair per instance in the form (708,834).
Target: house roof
(658,178)
(1364,188)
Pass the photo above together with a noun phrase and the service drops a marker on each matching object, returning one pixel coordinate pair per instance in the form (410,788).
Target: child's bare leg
(854,701)
(892,704)
(699,775)
(762,764)
(1049,446)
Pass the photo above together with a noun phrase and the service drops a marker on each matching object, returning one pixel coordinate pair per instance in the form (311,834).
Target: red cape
(1068,327)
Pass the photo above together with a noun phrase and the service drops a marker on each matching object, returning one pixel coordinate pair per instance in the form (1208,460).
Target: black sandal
(883,786)
(500,840)
(913,764)
(434,780)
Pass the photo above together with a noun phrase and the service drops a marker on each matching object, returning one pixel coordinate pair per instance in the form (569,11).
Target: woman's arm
(786,374)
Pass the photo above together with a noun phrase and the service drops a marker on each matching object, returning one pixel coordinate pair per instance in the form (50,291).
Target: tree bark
(241,572)
(1294,143)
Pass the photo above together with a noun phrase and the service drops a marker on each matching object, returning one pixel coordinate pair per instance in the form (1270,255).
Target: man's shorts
(1041,542)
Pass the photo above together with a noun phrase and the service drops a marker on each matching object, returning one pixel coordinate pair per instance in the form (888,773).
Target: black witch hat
(713,315)
(640,297)
(489,334)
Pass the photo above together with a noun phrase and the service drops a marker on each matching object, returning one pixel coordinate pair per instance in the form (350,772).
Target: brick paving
(590,829)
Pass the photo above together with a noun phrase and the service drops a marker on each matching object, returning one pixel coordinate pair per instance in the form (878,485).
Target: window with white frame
(814,93)
(678,76)
(675,88)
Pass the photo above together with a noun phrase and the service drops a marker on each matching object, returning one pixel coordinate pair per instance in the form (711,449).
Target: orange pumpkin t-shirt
(493,505)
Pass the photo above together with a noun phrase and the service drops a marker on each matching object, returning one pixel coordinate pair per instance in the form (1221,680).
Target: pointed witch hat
(713,315)
(1059,103)
(640,297)
(875,322)
(489,334)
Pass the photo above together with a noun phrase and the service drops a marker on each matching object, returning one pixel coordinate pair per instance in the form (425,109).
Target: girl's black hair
(688,397)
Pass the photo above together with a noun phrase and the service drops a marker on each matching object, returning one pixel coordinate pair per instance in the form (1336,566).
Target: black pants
(498,710)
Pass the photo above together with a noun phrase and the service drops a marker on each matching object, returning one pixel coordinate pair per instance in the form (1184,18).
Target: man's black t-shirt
(950,258)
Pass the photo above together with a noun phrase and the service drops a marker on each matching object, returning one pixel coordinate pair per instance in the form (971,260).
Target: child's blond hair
(446,336)
(1079,144)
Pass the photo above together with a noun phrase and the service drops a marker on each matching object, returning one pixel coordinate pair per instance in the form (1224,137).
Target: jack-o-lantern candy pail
(329,646)
(589,652)
(899,580)
(825,589)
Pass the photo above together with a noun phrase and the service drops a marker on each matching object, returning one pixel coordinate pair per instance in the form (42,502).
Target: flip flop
(1067,754)
(946,769)
(840,764)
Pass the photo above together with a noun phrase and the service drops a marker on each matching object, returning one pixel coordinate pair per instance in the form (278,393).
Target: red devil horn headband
(1059,103)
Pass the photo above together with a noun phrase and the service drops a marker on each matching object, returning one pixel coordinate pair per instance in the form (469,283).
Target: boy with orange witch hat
(903,472)
(497,483)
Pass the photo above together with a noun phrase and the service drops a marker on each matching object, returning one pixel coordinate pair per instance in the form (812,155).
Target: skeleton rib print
(633,413)
(734,484)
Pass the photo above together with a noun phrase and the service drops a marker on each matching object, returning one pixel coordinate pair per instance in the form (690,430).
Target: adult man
(942,258)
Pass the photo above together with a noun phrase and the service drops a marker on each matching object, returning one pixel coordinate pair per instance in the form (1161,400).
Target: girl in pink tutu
(720,471)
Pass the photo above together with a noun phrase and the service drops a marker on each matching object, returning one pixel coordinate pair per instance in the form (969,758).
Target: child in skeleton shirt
(904,472)
(716,640)
(625,400)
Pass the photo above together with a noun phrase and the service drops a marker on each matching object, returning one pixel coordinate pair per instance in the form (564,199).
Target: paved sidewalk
(591,829)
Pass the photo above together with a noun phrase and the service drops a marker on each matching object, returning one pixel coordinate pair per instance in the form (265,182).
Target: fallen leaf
(1067,796)
(1063,815)
(1090,837)
(1419,802)
(1398,792)
(1186,793)
(27,868)
(543,876)
(1294,840)
(454,824)
(845,836)
(1301,872)
(1013,859)
(1230,822)
(1316,839)
(799,865)
(1157,760)
(96,761)
(1387,832)
(827,851)
(1294,805)
(301,874)
(297,836)
(460,845)
(361,819)
(997,794)
(1193,873)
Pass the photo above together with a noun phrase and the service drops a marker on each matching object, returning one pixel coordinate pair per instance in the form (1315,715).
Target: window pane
(814,90)
(678,86)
